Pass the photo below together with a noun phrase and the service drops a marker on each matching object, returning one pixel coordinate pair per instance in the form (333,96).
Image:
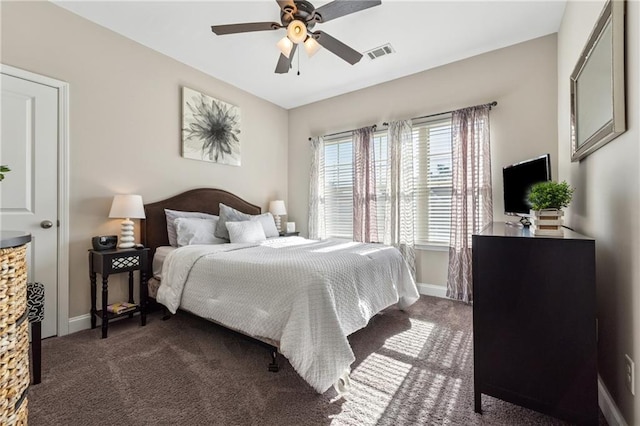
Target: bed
(300,297)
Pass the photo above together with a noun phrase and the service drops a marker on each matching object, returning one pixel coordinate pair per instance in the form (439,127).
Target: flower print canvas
(210,129)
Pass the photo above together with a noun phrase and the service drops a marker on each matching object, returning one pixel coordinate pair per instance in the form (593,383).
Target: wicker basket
(19,418)
(13,286)
(14,336)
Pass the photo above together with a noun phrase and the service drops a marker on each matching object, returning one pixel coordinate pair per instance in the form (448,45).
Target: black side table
(289,234)
(108,262)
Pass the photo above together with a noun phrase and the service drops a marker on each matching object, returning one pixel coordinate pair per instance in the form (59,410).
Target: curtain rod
(490,104)
(346,131)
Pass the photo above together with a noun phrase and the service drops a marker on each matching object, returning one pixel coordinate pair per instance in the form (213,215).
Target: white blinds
(338,192)
(433,180)
(380,147)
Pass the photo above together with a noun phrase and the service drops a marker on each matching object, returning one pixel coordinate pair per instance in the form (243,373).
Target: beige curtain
(317,230)
(472,206)
(400,194)
(364,187)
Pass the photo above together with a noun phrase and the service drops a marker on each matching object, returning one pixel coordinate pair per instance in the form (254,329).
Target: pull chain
(298,63)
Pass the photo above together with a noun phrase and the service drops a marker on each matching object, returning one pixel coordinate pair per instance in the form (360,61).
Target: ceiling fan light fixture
(311,46)
(297,31)
(299,18)
(285,45)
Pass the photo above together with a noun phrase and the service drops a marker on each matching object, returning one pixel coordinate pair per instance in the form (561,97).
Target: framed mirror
(598,86)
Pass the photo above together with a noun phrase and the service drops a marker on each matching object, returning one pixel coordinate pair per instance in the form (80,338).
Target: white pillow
(247,231)
(172,215)
(228,214)
(193,230)
(268,224)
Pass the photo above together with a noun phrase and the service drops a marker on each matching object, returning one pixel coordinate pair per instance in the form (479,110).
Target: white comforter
(308,295)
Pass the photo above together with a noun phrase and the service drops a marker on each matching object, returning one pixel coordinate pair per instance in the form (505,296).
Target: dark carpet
(412,368)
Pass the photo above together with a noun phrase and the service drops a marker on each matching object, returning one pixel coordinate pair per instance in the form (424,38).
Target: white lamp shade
(311,46)
(285,45)
(277,208)
(127,206)
(297,31)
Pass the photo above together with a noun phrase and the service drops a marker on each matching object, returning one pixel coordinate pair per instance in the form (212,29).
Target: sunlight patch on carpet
(412,341)
(455,348)
(373,384)
(452,395)
(423,397)
(449,348)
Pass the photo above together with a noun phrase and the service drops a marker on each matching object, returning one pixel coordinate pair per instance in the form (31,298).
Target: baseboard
(608,406)
(432,290)
(79,323)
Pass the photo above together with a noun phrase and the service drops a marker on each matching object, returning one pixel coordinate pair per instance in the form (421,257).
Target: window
(433,181)
(338,187)
(380,148)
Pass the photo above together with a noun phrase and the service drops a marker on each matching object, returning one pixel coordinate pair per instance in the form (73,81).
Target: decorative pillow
(228,214)
(172,215)
(247,231)
(268,224)
(193,230)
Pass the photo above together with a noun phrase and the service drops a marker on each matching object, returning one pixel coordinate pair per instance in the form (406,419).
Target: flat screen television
(518,179)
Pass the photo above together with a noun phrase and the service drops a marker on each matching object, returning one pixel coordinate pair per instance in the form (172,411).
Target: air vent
(379,52)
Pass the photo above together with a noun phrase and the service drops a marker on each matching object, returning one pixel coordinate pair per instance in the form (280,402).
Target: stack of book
(121,307)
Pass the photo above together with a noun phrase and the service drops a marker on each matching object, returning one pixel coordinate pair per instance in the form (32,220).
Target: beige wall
(125,120)
(522,78)
(606,204)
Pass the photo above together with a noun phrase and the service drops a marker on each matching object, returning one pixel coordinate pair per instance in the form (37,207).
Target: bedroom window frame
(430,150)
(338,194)
(432,139)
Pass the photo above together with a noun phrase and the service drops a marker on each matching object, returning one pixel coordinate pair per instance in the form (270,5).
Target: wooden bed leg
(273,366)
(165,314)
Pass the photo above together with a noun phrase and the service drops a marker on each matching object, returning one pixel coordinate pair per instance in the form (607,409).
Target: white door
(28,193)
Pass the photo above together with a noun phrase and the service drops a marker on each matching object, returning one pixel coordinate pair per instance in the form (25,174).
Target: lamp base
(127,239)
(278,223)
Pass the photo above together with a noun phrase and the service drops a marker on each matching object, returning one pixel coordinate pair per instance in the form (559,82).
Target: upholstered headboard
(205,200)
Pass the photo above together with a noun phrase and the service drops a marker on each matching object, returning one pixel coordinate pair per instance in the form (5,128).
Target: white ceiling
(424,34)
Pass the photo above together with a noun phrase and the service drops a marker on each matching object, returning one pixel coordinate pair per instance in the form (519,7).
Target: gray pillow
(172,215)
(268,224)
(228,214)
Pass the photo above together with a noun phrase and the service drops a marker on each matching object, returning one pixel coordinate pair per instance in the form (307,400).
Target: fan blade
(285,3)
(284,63)
(244,28)
(337,47)
(338,8)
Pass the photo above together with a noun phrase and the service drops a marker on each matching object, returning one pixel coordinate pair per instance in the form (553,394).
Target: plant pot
(548,222)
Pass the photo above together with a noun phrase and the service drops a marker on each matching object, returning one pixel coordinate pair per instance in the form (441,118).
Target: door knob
(46,224)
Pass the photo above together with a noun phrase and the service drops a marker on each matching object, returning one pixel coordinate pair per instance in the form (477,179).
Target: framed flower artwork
(210,129)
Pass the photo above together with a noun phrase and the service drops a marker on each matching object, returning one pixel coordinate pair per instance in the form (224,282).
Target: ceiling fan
(299,17)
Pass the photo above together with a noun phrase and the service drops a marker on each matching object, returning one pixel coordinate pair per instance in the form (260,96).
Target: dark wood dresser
(534,321)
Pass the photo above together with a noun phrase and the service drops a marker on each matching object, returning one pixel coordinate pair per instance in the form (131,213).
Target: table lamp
(127,207)
(277,209)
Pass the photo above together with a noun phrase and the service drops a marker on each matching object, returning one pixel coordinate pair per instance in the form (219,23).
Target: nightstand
(289,234)
(107,262)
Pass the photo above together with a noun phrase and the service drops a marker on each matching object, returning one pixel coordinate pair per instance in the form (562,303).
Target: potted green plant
(3,169)
(547,200)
